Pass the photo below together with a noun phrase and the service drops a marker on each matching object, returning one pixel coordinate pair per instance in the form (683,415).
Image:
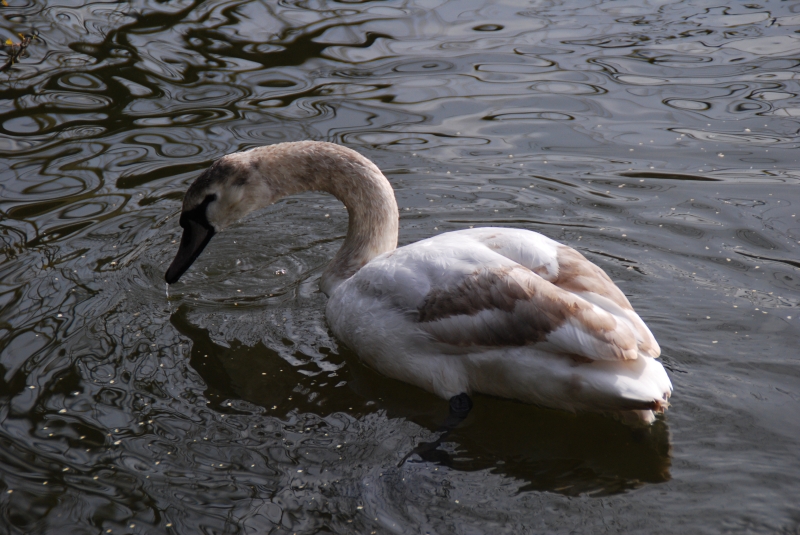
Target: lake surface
(658,138)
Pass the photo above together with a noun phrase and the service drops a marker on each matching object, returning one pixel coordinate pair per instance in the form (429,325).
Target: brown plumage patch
(577,359)
(485,289)
(543,272)
(577,274)
(498,290)
(523,309)
(218,172)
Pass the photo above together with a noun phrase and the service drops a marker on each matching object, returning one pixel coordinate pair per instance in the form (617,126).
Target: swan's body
(500,311)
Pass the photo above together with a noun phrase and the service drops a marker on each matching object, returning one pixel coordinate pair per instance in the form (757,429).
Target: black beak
(197,232)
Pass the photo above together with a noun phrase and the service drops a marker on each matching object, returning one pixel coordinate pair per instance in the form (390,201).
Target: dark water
(659,138)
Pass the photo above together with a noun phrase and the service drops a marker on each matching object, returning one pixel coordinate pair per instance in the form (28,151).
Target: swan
(499,311)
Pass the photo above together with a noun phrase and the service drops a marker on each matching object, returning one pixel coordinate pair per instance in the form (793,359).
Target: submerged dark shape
(197,232)
(669,176)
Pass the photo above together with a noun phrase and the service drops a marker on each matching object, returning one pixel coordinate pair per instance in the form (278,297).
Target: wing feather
(511,306)
(508,287)
(579,276)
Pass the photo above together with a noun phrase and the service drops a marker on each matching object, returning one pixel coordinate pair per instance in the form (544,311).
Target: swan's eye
(198,213)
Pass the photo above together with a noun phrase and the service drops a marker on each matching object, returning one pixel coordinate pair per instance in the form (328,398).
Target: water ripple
(661,143)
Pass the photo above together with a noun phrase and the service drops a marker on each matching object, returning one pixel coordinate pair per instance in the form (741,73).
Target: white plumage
(471,344)
(499,311)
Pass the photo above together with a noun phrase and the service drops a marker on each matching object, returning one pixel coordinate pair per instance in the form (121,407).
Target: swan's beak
(197,232)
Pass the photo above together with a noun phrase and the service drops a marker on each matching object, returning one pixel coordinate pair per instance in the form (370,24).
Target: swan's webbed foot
(460,406)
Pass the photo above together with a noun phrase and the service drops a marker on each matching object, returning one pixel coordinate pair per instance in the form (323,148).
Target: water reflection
(544,449)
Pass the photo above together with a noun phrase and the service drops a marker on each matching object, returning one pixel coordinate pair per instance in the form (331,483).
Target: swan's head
(224,193)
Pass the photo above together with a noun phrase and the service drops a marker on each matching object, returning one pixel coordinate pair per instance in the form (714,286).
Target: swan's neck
(290,168)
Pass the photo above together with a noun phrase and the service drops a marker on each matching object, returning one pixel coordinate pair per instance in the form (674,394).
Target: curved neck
(289,168)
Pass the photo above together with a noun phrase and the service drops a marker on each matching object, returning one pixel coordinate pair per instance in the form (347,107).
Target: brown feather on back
(576,274)
(522,309)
